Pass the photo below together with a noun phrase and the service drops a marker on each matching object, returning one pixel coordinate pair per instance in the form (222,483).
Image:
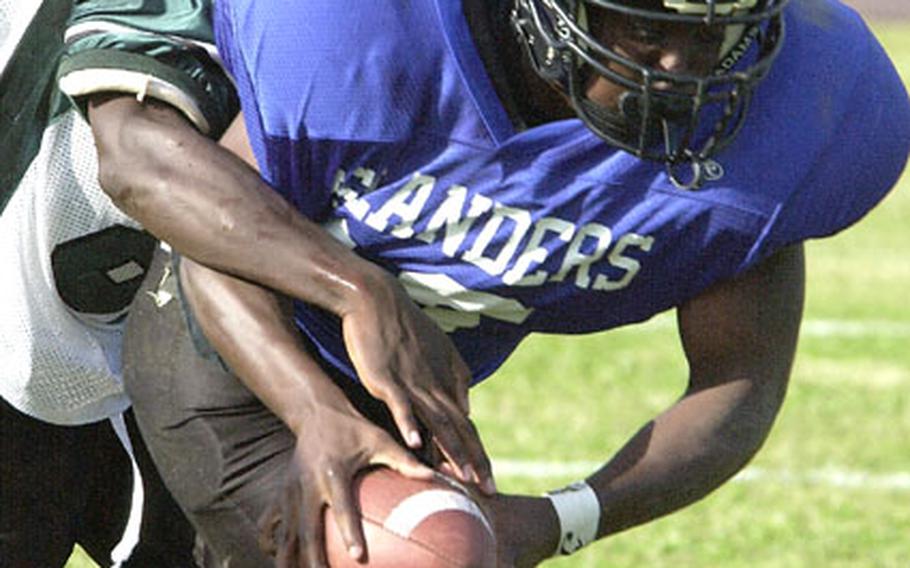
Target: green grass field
(831,487)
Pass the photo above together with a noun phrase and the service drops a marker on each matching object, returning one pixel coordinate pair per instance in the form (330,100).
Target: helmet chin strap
(696,178)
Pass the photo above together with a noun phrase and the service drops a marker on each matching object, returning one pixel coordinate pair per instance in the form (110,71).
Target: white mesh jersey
(58,364)
(70,261)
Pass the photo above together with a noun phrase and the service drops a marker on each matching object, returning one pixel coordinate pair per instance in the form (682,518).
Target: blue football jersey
(379,121)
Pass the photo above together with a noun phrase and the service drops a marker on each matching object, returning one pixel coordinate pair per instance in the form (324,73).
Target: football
(411,523)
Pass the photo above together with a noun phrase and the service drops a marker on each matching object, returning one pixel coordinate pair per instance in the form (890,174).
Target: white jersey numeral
(452,306)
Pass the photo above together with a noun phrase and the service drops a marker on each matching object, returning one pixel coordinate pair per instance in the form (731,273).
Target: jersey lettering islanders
(379,121)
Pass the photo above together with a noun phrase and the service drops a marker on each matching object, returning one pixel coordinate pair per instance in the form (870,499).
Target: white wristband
(579,511)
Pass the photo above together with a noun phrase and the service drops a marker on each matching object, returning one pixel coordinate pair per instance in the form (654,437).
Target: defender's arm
(207,203)
(254,331)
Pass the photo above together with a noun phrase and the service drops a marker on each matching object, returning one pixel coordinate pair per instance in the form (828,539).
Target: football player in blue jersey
(520,166)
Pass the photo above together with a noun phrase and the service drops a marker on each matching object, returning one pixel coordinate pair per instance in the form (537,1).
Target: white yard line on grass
(821,327)
(826,477)
(855,328)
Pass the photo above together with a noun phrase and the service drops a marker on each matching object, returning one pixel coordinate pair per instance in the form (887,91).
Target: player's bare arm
(739,339)
(206,202)
(253,328)
(210,205)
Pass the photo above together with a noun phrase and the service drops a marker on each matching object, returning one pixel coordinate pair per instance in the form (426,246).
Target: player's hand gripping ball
(410,523)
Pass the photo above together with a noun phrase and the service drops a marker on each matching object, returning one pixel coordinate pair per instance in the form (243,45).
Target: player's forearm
(685,453)
(676,459)
(212,207)
(251,327)
(739,338)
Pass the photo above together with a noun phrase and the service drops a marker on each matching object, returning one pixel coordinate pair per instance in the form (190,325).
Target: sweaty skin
(334,441)
(213,207)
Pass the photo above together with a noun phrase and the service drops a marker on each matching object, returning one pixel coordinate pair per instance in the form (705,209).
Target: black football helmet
(680,119)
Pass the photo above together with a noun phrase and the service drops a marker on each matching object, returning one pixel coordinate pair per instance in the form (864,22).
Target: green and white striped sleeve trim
(167,56)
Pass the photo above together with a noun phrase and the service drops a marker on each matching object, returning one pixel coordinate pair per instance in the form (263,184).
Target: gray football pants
(220,451)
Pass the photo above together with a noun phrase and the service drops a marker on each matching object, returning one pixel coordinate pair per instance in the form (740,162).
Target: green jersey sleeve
(162,49)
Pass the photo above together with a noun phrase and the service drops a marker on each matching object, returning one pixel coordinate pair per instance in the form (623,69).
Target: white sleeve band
(87,81)
(578,509)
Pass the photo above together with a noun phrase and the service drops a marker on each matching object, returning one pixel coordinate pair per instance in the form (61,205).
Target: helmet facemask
(679,118)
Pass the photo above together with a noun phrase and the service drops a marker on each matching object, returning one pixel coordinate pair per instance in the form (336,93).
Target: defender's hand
(404,359)
(334,443)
